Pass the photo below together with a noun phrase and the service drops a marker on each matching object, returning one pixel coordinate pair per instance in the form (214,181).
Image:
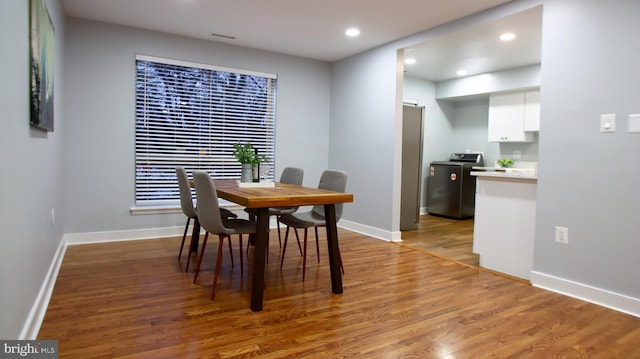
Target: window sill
(140,210)
(170,209)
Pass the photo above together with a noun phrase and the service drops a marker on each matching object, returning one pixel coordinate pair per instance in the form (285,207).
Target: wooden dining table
(284,195)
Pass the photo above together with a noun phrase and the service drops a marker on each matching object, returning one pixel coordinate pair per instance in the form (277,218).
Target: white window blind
(190,115)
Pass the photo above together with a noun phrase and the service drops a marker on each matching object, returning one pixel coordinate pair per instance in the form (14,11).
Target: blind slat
(191,116)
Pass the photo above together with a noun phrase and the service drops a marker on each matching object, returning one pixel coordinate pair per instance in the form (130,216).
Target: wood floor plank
(446,237)
(133,299)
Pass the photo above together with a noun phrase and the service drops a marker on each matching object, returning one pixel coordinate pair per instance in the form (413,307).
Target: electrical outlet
(562,235)
(517,155)
(53,217)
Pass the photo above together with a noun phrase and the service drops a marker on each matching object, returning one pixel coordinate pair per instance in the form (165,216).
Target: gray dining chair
(333,180)
(212,222)
(186,203)
(290,175)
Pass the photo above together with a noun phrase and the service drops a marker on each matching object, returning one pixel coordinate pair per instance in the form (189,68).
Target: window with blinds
(190,115)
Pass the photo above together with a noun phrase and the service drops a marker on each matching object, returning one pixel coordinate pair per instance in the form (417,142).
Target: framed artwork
(41,58)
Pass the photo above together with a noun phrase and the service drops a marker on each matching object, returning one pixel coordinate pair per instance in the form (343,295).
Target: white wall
(30,174)
(100,109)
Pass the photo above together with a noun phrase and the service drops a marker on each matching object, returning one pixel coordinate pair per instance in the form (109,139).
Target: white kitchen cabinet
(504,224)
(532,110)
(507,117)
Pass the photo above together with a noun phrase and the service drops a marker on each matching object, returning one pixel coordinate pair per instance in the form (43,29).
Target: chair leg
(304,255)
(284,247)
(217,271)
(241,256)
(184,236)
(231,253)
(317,245)
(278,224)
(298,239)
(194,238)
(204,244)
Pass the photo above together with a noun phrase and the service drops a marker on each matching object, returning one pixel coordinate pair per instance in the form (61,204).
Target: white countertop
(502,174)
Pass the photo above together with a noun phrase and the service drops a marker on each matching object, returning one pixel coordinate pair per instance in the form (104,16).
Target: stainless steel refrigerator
(411,167)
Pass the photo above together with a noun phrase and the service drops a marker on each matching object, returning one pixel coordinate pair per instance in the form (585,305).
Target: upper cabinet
(512,116)
(532,110)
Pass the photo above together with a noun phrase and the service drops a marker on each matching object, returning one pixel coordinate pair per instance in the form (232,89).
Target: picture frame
(41,55)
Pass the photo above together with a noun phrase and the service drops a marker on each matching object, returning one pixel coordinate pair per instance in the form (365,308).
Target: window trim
(167,61)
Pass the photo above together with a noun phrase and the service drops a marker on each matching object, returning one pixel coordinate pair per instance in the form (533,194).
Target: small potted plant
(505,162)
(248,156)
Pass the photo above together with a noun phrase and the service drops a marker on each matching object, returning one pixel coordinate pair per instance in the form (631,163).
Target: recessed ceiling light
(507,36)
(352,32)
(410,61)
(461,72)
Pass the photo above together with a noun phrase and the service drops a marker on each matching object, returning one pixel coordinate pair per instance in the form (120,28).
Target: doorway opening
(452,121)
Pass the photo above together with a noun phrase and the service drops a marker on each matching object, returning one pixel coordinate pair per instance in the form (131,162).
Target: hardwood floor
(133,300)
(444,237)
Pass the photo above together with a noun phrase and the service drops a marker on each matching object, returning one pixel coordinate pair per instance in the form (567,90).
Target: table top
(282,195)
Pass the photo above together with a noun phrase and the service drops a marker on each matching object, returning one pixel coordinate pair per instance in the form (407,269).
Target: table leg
(334,250)
(257,280)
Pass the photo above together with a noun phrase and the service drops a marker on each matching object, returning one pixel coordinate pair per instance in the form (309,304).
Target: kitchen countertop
(503,174)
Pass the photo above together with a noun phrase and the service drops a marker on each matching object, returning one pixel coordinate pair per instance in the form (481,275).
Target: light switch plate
(562,235)
(634,123)
(608,122)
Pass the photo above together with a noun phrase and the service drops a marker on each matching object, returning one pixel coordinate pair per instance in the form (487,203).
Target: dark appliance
(451,188)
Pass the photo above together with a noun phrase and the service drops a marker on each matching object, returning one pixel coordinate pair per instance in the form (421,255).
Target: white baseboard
(135,234)
(36,315)
(605,298)
(370,231)
(127,235)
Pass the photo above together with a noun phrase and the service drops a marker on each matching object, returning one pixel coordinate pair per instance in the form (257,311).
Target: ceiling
(315,28)
(478,49)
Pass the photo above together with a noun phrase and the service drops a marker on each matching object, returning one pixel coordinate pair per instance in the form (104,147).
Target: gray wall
(31,170)
(100,108)
(363,135)
(588,181)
